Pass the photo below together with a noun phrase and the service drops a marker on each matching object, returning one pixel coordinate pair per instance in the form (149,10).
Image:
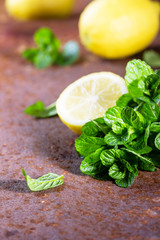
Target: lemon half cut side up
(88,98)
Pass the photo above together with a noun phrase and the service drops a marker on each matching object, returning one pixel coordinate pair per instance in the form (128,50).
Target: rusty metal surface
(82,208)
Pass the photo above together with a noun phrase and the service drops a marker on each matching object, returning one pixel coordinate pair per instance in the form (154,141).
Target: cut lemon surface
(88,98)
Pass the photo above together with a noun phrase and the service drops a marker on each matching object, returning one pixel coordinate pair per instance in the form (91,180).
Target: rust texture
(82,208)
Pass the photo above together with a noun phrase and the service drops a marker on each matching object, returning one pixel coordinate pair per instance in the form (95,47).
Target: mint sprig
(48,50)
(127,138)
(39,110)
(152,58)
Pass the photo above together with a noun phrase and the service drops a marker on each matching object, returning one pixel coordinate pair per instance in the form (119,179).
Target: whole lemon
(30,9)
(119,28)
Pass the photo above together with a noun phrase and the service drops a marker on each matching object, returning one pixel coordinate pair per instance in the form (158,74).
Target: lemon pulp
(89,98)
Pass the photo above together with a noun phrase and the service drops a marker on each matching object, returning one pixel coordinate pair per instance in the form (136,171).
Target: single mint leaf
(139,145)
(44,38)
(124,100)
(113,115)
(116,171)
(133,118)
(136,69)
(69,54)
(130,135)
(150,111)
(146,167)
(137,148)
(156,99)
(142,99)
(47,181)
(143,158)
(119,128)
(113,139)
(92,165)
(157,72)
(155,127)
(43,59)
(127,181)
(85,145)
(142,85)
(30,54)
(39,110)
(135,90)
(110,156)
(152,58)
(131,168)
(95,128)
(153,82)
(157,141)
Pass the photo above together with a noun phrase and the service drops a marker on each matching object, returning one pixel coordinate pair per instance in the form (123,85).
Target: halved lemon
(88,98)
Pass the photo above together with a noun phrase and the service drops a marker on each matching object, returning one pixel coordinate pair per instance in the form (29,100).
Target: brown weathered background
(82,208)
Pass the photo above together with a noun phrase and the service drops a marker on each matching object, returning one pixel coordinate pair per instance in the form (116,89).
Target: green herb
(47,181)
(152,58)
(39,110)
(127,138)
(48,50)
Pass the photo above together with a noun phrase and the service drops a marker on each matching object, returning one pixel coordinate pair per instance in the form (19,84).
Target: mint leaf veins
(44,182)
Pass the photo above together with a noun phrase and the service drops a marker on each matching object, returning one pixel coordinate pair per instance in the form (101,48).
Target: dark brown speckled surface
(82,208)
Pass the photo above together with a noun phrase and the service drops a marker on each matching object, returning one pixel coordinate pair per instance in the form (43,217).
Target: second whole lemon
(119,28)
(32,9)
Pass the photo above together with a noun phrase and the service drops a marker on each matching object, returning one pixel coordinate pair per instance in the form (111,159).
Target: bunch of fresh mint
(127,138)
(48,50)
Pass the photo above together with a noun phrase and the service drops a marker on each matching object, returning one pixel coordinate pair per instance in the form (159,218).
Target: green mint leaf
(43,59)
(157,141)
(129,167)
(124,100)
(127,181)
(153,84)
(39,110)
(44,38)
(157,72)
(155,127)
(86,145)
(117,171)
(135,90)
(141,149)
(156,99)
(133,118)
(130,135)
(113,139)
(30,54)
(150,111)
(47,181)
(142,100)
(137,69)
(113,115)
(69,54)
(152,58)
(146,167)
(143,158)
(110,156)
(92,165)
(119,128)
(95,128)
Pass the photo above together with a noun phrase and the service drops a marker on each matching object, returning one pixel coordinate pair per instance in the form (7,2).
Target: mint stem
(53,105)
